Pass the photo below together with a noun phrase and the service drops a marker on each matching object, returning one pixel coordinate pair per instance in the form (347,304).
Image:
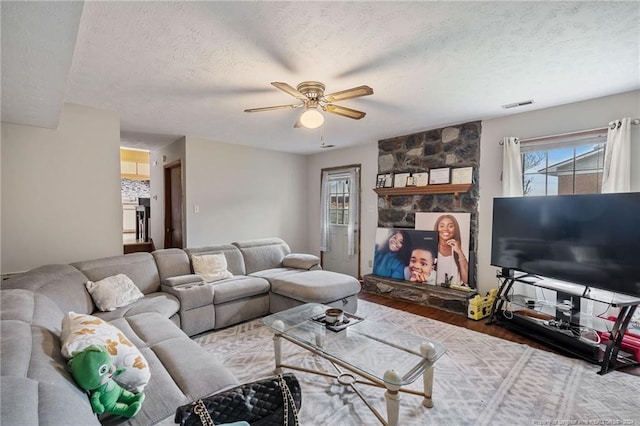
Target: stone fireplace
(453,147)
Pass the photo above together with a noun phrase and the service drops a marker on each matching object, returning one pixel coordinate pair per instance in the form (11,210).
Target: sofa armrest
(180,280)
(307,262)
(191,291)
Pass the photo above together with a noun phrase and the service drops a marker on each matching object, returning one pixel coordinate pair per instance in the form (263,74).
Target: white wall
(567,118)
(244,193)
(367,156)
(61,190)
(0,199)
(589,114)
(158,159)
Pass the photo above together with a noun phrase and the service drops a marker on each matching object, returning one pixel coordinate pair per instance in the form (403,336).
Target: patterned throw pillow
(211,267)
(113,292)
(80,331)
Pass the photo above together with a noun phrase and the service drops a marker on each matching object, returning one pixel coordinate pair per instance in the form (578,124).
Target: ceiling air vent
(518,104)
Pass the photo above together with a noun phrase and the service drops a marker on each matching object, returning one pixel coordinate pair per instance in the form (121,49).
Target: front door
(340,204)
(173,205)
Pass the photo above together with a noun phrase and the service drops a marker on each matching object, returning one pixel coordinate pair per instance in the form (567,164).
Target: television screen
(591,239)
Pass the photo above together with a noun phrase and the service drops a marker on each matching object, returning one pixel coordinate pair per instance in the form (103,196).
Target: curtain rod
(611,125)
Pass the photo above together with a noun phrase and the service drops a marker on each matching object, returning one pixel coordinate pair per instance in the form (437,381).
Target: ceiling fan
(311,96)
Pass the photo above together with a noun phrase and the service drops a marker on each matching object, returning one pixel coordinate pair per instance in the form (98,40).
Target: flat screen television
(593,239)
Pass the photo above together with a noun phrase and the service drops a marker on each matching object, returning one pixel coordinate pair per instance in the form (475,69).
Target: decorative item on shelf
(462,175)
(439,176)
(420,178)
(384,180)
(400,180)
(411,181)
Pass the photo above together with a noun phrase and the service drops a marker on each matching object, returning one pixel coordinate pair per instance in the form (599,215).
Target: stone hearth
(448,299)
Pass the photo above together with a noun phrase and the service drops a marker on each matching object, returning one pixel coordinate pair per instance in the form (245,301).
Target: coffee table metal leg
(391,377)
(428,351)
(427,377)
(277,348)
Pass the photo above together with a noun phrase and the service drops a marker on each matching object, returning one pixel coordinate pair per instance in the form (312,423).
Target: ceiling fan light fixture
(311,119)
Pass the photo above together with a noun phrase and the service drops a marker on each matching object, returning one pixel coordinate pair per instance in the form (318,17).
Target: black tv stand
(561,324)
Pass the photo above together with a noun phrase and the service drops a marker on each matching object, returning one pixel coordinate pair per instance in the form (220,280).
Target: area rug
(481,380)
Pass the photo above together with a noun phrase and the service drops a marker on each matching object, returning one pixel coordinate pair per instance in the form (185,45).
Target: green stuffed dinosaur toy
(93,370)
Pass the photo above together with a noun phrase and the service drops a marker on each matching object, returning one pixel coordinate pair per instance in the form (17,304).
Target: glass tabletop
(368,346)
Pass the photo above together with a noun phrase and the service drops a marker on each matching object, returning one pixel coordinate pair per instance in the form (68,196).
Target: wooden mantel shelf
(429,189)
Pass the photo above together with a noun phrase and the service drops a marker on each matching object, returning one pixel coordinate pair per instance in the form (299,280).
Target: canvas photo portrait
(453,231)
(406,254)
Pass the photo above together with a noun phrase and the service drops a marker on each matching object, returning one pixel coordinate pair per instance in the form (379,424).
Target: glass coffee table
(382,355)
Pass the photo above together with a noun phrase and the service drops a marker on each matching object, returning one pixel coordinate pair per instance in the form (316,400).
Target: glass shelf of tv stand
(611,298)
(546,311)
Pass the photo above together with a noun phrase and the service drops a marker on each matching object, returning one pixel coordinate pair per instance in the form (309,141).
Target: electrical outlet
(196,208)
(370,263)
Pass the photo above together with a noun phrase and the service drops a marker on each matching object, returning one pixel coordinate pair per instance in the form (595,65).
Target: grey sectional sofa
(35,387)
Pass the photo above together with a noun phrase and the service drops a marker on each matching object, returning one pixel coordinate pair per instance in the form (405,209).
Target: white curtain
(511,168)
(354,194)
(324,212)
(616,175)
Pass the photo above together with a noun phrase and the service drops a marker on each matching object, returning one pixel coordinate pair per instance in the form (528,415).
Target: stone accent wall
(453,146)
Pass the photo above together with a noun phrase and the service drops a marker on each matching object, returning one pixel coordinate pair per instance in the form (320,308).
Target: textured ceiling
(191,68)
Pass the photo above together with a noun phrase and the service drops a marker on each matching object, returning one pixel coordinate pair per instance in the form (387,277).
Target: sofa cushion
(34,383)
(31,308)
(211,267)
(63,284)
(28,402)
(160,302)
(235,261)
(314,286)
(80,331)
(183,371)
(265,253)
(113,292)
(171,262)
(140,267)
(238,287)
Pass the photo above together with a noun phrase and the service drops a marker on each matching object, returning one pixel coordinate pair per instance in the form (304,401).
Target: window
(339,201)
(559,165)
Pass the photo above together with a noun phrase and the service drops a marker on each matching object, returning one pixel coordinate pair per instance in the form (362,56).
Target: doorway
(173,235)
(340,220)
(135,188)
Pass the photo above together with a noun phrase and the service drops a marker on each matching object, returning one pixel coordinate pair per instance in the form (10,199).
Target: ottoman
(328,288)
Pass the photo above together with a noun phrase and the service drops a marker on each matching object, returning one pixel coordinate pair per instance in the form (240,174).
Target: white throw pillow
(113,292)
(80,331)
(211,267)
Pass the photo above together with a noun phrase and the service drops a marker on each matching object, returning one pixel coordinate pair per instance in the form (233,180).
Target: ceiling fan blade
(345,112)
(354,92)
(290,90)
(272,108)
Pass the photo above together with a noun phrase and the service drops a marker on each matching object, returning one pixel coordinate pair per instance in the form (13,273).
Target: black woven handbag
(274,401)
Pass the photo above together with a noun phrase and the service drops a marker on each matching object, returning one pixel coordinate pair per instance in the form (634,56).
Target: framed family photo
(453,233)
(406,254)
